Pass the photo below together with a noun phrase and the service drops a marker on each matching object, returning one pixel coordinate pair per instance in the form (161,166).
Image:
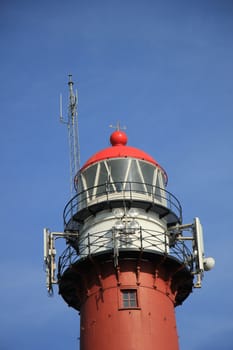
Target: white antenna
(72,125)
(198,232)
(200,263)
(50,256)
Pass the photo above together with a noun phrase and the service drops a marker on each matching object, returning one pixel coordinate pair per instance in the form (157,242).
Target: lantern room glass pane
(118,169)
(148,172)
(90,176)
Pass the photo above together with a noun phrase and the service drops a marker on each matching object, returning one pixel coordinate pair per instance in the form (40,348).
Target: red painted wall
(106,325)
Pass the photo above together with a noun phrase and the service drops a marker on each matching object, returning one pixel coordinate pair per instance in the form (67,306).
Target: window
(129,298)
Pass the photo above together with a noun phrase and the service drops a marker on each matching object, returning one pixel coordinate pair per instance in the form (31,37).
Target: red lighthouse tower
(128,262)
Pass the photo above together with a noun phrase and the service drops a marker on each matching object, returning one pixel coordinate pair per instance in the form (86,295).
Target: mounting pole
(72,125)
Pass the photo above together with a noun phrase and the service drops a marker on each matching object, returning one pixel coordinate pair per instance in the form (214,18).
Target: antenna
(72,126)
(50,255)
(198,233)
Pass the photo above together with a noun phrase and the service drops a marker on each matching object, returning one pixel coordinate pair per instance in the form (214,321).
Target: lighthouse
(127,264)
(129,258)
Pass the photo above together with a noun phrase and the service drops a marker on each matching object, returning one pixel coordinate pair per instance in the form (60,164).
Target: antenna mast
(72,125)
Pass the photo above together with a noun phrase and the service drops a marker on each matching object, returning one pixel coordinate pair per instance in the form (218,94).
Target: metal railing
(143,241)
(122,191)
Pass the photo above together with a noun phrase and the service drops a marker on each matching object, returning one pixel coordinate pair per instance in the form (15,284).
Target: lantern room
(122,202)
(124,173)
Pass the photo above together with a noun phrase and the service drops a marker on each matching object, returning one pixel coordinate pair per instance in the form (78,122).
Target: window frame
(128,289)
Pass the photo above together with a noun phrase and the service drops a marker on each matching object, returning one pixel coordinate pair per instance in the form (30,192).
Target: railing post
(89,244)
(141,241)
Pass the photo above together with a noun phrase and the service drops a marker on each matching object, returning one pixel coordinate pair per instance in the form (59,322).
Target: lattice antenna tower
(71,121)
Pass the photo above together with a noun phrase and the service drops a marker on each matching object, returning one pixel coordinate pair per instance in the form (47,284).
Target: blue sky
(165,70)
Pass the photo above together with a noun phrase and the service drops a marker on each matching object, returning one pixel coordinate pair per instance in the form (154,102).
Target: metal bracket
(196,239)
(50,256)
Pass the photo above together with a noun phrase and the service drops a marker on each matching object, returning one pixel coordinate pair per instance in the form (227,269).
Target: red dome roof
(119,149)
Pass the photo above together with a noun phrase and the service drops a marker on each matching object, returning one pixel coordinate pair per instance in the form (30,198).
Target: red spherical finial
(118,138)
